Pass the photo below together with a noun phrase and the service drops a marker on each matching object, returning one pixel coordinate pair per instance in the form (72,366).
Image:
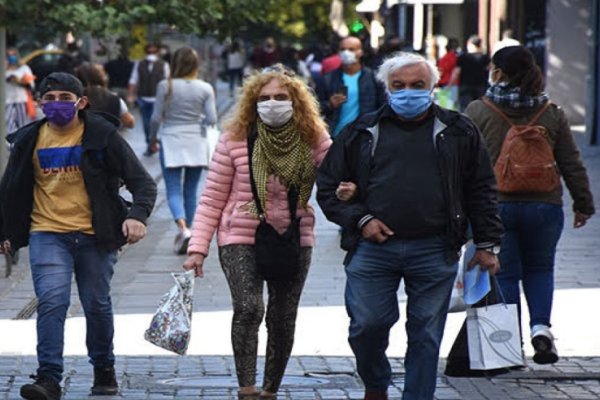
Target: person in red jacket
(448,86)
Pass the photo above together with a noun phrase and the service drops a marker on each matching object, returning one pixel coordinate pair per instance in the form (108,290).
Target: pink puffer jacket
(228,189)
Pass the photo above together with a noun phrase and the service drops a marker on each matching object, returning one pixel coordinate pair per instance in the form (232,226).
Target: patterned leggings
(246,288)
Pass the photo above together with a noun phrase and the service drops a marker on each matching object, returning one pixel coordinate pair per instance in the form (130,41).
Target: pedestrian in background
(278,112)
(72,57)
(349,91)
(236,61)
(144,79)
(19,83)
(265,55)
(533,220)
(471,72)
(119,71)
(184,106)
(99,97)
(422,173)
(66,207)
(448,92)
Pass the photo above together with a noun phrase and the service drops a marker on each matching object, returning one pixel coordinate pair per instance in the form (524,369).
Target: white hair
(401,60)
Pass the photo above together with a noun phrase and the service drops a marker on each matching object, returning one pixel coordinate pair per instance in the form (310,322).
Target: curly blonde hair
(306,115)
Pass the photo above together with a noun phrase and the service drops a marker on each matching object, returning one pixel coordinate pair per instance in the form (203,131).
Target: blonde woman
(183,104)
(278,110)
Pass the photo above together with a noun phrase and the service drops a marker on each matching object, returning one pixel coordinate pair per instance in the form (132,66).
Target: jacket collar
(370,122)
(98,127)
(443,118)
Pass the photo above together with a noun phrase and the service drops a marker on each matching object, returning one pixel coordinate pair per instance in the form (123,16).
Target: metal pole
(402,21)
(592,101)
(3,149)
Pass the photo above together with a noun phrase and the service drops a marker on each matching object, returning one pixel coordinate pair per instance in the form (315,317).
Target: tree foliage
(294,21)
(104,18)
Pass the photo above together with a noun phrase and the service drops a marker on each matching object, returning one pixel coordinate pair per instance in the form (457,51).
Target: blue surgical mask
(12,59)
(410,103)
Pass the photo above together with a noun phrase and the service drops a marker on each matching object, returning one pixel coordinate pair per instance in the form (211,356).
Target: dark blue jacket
(371,94)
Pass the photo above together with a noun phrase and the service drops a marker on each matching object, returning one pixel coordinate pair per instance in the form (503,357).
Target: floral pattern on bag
(171,325)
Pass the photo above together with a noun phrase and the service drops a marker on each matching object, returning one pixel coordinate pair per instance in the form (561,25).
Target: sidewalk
(322,365)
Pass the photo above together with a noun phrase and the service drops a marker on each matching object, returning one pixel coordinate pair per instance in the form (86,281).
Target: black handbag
(277,256)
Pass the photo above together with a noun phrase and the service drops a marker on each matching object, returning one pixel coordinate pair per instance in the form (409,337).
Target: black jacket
(371,94)
(465,167)
(107,162)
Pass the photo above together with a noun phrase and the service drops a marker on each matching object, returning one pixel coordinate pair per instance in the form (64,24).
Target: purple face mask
(60,112)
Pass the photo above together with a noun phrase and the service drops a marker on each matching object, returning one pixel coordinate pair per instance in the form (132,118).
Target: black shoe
(44,388)
(543,344)
(105,382)
(545,352)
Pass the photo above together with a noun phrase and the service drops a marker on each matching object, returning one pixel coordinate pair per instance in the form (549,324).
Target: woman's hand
(346,191)
(580,219)
(195,261)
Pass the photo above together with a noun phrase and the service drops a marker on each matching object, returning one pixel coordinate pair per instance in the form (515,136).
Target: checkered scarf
(283,153)
(501,94)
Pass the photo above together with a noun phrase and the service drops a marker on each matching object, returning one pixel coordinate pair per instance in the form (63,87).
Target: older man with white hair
(420,175)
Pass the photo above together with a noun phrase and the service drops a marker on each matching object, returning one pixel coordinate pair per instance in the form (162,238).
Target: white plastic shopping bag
(470,285)
(494,337)
(171,325)
(457,301)
(212,137)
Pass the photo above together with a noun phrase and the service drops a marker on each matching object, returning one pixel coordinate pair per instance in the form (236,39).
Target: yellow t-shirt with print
(60,201)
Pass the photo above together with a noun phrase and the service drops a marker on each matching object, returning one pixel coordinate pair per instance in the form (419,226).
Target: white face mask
(348,57)
(152,57)
(275,113)
(491,77)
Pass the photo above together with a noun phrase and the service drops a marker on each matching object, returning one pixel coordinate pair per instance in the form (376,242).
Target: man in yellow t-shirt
(60,196)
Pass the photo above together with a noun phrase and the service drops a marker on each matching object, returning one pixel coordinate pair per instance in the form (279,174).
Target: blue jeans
(182,202)
(146,109)
(373,278)
(527,254)
(54,258)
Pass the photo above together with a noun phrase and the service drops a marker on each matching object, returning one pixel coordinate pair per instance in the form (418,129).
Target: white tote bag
(494,337)
(171,325)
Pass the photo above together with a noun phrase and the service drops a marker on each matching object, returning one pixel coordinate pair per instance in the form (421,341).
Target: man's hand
(580,219)
(346,191)
(195,261)
(336,100)
(376,231)
(485,260)
(133,230)
(5,247)
(130,100)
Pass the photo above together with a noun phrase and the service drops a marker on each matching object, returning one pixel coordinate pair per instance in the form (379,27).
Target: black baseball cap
(61,81)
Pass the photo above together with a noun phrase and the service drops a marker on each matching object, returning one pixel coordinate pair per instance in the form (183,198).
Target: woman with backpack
(530,142)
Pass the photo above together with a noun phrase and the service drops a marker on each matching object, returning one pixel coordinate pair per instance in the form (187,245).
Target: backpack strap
(497,110)
(539,113)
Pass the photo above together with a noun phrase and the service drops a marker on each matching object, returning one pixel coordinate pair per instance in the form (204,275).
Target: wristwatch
(495,250)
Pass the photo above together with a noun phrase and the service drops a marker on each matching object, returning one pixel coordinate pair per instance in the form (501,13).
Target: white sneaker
(181,241)
(543,344)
